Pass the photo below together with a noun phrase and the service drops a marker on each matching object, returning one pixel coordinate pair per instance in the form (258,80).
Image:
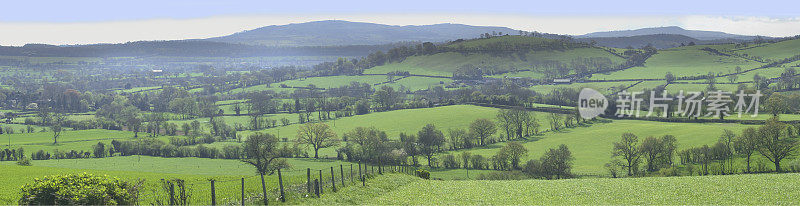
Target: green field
(591,145)
(682,61)
(195,171)
(775,51)
(773,189)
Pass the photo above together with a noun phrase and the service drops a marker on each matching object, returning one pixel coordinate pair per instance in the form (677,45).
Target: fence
(300,183)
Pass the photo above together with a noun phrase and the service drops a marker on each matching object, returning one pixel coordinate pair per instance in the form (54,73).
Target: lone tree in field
(262,153)
(318,135)
(483,129)
(56,125)
(775,142)
(430,140)
(627,149)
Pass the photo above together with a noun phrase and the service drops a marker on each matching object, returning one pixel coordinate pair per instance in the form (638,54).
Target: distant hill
(697,34)
(189,48)
(660,41)
(335,32)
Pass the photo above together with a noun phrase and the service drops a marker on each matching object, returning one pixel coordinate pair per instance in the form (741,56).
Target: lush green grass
(395,122)
(758,189)
(682,61)
(591,146)
(775,51)
(444,64)
(196,172)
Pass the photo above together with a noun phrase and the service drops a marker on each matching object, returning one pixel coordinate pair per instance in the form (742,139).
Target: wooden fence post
(351,173)
(359,169)
(316,187)
(213,194)
(280,184)
(341,170)
(242,191)
(308,179)
(320,183)
(333,180)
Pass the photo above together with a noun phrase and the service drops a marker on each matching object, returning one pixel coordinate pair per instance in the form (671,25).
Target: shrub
(669,172)
(424,174)
(450,162)
(24,161)
(79,189)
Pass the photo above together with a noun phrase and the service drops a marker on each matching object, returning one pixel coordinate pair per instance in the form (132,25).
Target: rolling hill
(335,32)
(697,34)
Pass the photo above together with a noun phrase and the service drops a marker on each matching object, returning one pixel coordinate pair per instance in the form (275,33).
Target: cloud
(14,33)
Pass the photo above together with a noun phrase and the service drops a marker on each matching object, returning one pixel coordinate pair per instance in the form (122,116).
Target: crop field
(777,189)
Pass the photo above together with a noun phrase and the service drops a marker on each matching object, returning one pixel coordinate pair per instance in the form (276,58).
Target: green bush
(79,189)
(423,174)
(24,161)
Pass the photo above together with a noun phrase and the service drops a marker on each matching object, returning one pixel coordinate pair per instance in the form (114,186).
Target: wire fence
(284,185)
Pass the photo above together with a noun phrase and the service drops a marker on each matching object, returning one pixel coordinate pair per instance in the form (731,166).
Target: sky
(95,21)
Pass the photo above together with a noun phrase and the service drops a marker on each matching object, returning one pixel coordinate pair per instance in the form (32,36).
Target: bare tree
(262,154)
(317,135)
(627,149)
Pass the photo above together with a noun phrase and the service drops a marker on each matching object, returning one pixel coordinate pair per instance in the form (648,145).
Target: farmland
(493,119)
(734,189)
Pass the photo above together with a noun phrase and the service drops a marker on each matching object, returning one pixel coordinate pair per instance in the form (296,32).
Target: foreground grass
(770,189)
(195,171)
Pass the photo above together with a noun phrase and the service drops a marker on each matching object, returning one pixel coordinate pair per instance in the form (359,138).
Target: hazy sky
(89,21)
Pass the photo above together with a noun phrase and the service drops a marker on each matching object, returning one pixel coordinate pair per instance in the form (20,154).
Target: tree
(457,136)
(515,152)
(410,146)
(261,152)
(775,141)
(669,77)
(430,140)
(776,104)
(628,150)
(317,135)
(650,149)
(237,108)
(99,150)
(386,97)
(132,118)
(482,128)
(558,162)
(56,124)
(727,138)
(746,144)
